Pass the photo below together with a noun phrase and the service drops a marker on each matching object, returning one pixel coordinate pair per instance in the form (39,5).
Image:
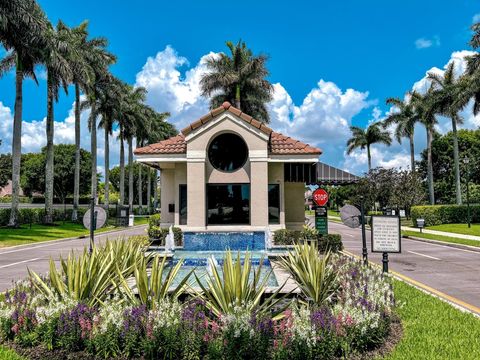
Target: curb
(444,243)
(34,245)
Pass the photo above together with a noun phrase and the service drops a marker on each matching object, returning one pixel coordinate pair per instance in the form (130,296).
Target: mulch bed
(41,353)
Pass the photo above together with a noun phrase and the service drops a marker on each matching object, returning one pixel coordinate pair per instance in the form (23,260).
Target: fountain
(212,262)
(268,239)
(170,241)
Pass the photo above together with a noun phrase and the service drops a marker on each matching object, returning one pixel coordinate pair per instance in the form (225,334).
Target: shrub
(287,237)
(157,234)
(445,214)
(331,242)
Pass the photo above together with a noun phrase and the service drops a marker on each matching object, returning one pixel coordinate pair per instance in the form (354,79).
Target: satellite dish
(350,216)
(101,218)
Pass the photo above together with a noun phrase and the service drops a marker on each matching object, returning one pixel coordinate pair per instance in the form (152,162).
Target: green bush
(445,214)
(157,234)
(332,242)
(36,215)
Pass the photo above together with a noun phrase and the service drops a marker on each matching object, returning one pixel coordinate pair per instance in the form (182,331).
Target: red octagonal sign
(320,197)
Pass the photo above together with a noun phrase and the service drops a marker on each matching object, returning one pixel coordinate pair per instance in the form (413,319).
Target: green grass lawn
(39,233)
(458,228)
(432,329)
(448,239)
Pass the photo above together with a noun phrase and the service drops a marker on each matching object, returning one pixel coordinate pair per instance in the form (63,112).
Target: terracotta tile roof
(226,106)
(173,145)
(279,144)
(285,145)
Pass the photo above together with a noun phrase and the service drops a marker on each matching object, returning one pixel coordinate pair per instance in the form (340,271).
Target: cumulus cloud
(425,43)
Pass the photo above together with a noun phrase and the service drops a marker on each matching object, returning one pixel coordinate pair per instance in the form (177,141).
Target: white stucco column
(196,194)
(259,193)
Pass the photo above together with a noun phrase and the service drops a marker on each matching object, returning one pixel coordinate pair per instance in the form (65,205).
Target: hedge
(36,215)
(445,214)
(157,234)
(332,242)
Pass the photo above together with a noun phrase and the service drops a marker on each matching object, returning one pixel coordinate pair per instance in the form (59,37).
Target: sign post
(320,198)
(386,237)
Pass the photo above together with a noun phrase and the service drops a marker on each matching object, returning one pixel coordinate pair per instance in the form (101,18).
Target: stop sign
(320,197)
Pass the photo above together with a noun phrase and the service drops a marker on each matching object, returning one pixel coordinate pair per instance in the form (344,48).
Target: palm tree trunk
(130,175)
(430,165)
(49,156)
(412,153)
(140,200)
(122,170)
(16,144)
(76,177)
(456,161)
(107,170)
(149,191)
(155,189)
(369,158)
(237,97)
(93,145)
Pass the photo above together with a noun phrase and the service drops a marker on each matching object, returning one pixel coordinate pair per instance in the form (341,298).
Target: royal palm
(365,138)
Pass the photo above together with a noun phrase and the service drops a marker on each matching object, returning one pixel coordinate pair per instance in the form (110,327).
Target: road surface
(14,261)
(455,272)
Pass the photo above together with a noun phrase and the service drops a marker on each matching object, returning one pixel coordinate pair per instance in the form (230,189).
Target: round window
(228,152)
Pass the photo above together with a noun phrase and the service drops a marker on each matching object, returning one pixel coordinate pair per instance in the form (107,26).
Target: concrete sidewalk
(442,233)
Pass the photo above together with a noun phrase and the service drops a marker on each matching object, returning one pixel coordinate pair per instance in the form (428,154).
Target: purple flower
(135,320)
(323,319)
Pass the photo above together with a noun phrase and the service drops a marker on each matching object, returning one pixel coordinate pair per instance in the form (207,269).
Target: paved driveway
(455,272)
(14,261)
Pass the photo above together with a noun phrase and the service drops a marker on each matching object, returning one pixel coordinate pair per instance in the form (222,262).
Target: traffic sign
(320,197)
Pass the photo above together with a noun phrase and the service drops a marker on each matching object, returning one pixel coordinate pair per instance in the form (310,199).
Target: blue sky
(376,47)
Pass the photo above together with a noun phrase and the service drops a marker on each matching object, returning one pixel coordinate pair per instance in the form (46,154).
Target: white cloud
(425,43)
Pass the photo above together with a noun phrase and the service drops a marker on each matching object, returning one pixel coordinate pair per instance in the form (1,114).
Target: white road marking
(427,256)
(17,263)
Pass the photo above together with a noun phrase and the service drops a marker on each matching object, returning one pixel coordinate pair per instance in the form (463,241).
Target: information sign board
(321,220)
(386,234)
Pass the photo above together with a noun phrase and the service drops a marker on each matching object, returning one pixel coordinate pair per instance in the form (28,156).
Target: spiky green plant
(156,284)
(235,288)
(91,277)
(311,272)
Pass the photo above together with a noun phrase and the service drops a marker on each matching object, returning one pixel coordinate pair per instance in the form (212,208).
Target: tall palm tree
(239,78)
(59,74)
(446,103)
(365,138)
(404,119)
(424,106)
(23,26)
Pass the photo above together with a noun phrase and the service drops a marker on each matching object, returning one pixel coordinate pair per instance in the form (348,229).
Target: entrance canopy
(318,173)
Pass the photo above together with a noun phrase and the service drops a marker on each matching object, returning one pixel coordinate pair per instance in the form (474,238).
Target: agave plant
(91,277)
(314,276)
(156,284)
(222,294)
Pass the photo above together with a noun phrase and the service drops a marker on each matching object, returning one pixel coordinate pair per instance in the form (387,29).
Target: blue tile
(220,241)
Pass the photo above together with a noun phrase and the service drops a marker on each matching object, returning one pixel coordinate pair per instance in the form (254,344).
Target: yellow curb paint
(425,287)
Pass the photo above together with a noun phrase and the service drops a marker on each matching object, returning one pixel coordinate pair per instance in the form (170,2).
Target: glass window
(228,204)
(228,152)
(274,204)
(182,209)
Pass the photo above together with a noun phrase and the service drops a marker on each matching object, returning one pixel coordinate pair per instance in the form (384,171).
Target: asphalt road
(455,272)
(14,261)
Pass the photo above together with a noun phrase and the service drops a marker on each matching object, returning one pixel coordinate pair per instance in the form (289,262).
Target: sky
(332,64)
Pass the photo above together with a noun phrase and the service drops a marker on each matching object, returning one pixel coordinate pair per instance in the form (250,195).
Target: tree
(442,161)
(23,25)
(446,103)
(374,134)
(115,181)
(240,79)
(404,120)
(5,169)
(33,176)
(424,107)
(408,191)
(59,74)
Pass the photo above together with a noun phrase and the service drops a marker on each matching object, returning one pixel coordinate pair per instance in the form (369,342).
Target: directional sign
(320,197)
(321,220)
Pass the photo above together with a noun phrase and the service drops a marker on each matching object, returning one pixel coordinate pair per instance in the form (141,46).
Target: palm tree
(404,119)
(374,134)
(423,105)
(23,26)
(59,74)
(239,78)
(446,103)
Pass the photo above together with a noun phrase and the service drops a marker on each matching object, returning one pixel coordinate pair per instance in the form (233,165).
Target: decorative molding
(303,158)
